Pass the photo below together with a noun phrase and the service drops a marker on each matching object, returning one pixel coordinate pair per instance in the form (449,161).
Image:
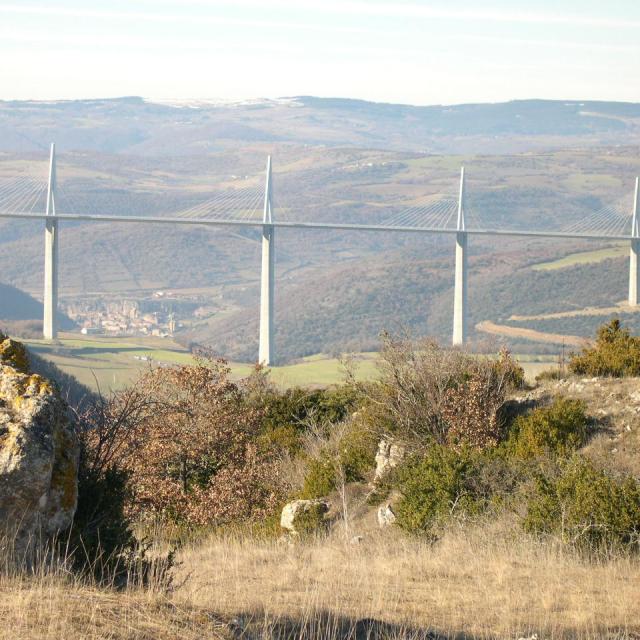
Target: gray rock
(386,516)
(389,456)
(303,516)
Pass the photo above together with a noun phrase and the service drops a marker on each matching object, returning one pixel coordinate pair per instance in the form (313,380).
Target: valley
(335,292)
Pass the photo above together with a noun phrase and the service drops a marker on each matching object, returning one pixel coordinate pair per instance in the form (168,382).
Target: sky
(406,51)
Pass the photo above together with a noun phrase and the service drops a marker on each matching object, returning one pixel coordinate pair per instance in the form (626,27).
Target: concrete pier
(460,286)
(633,252)
(460,292)
(50,322)
(633,273)
(267,280)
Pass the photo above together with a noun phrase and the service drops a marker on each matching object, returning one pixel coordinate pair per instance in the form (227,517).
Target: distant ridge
(17,305)
(147,126)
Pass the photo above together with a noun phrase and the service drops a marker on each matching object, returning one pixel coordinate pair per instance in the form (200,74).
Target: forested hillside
(347,308)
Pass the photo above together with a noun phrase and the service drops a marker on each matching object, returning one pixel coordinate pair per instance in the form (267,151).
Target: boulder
(389,456)
(303,516)
(386,516)
(38,452)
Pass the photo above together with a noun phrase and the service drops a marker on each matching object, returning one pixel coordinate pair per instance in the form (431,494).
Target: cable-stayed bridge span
(27,198)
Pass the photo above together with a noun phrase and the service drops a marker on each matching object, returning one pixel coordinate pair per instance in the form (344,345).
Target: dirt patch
(529,334)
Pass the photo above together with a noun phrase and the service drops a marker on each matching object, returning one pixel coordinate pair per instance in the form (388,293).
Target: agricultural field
(112,363)
(583,257)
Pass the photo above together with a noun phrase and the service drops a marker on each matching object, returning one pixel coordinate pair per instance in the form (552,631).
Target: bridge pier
(460,286)
(267,279)
(633,252)
(50,299)
(633,273)
(460,291)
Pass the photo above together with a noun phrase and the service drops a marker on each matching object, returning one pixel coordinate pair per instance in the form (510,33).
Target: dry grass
(466,584)
(56,609)
(475,583)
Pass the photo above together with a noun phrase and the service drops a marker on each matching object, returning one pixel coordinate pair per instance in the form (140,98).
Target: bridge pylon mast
(50,320)
(460,288)
(267,280)
(635,248)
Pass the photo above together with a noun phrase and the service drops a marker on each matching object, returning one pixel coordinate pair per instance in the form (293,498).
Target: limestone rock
(389,456)
(386,516)
(38,451)
(303,516)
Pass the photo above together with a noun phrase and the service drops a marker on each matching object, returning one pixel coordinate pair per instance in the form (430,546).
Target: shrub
(429,393)
(320,479)
(311,520)
(615,353)
(287,415)
(196,459)
(557,430)
(101,539)
(550,374)
(587,507)
(445,484)
(345,454)
(102,535)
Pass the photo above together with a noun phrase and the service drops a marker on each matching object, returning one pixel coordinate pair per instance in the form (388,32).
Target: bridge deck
(313,225)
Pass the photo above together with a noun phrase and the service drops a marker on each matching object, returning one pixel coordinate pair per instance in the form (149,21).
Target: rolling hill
(136,125)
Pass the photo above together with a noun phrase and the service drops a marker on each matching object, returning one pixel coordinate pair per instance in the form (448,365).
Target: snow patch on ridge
(187,103)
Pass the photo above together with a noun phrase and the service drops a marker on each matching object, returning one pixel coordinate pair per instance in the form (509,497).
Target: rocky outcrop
(389,456)
(38,452)
(613,407)
(386,516)
(304,516)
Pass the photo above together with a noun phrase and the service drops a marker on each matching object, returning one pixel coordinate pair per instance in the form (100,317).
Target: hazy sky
(410,51)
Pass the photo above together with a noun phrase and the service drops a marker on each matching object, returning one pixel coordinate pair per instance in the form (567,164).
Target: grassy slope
(112,363)
(583,257)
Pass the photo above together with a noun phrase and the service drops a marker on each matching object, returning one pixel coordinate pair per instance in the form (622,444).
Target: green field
(584,257)
(112,363)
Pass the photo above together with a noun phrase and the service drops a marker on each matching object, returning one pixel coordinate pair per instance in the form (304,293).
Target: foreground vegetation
(477,582)
(184,474)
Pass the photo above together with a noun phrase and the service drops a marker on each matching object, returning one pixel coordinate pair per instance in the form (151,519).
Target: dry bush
(472,406)
(427,392)
(194,457)
(101,540)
